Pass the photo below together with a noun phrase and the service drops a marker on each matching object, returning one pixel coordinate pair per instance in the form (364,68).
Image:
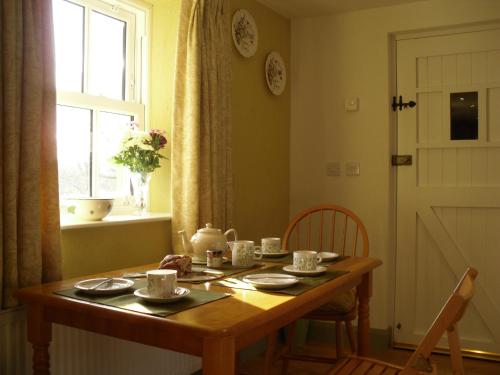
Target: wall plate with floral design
(245,34)
(275,73)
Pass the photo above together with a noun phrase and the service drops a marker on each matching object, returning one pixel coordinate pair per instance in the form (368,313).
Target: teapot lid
(209,230)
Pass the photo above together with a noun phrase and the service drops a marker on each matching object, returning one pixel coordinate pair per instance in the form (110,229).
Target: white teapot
(204,239)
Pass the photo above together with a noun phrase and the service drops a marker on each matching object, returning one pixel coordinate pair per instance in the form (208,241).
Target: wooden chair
(329,228)
(419,362)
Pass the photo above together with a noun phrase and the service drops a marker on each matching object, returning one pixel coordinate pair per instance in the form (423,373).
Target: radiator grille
(77,352)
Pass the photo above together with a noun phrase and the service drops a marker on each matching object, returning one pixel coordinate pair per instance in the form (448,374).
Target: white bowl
(92,209)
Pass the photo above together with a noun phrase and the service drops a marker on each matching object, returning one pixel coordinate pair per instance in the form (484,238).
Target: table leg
(39,335)
(219,356)
(364,294)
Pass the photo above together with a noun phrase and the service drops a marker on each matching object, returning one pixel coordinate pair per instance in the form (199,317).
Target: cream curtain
(201,136)
(29,211)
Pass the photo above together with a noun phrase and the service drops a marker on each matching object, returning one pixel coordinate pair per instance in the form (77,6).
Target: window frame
(136,16)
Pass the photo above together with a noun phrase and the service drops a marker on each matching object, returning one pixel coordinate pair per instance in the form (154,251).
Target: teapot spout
(186,244)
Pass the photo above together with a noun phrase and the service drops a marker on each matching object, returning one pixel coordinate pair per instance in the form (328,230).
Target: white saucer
(318,271)
(180,292)
(270,280)
(273,255)
(326,256)
(118,286)
(201,274)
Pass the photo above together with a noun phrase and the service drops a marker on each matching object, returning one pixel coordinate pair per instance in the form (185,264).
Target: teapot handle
(188,247)
(233,231)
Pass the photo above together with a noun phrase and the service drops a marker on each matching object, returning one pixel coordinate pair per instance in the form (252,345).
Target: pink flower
(158,137)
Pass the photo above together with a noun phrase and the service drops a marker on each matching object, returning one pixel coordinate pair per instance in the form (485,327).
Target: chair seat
(362,366)
(341,303)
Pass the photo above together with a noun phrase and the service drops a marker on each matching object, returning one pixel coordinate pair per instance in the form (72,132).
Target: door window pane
(111,179)
(74,127)
(68,37)
(463,115)
(107,56)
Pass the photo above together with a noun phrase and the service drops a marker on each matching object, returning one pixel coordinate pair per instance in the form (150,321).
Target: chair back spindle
(335,228)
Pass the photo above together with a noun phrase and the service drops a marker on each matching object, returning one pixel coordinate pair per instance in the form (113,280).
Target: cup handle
(257,257)
(319,259)
(233,231)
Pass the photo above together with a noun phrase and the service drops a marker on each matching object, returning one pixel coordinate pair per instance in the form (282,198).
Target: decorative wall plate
(245,34)
(275,73)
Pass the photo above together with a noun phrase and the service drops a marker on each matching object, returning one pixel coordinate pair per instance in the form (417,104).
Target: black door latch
(400,104)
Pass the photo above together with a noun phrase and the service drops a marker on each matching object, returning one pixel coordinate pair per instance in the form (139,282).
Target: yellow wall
(92,250)
(261,130)
(339,56)
(164,23)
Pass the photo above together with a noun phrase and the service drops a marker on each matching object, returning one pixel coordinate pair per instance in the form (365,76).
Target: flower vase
(140,186)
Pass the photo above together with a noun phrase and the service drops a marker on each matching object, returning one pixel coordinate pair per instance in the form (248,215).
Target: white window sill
(68,222)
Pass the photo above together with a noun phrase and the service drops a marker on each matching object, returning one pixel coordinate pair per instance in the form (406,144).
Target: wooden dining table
(216,331)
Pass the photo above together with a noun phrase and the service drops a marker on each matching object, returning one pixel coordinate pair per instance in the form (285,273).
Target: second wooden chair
(419,362)
(325,228)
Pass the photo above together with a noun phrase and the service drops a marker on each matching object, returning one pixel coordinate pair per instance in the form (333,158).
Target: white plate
(273,255)
(201,274)
(275,73)
(245,33)
(180,292)
(318,271)
(328,256)
(118,286)
(270,280)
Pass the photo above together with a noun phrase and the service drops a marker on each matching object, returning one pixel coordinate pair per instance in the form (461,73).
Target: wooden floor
(399,357)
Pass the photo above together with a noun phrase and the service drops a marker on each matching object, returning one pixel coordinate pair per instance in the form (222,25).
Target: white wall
(349,55)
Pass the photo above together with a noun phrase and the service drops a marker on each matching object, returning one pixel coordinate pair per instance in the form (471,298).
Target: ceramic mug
(243,254)
(161,283)
(270,245)
(306,260)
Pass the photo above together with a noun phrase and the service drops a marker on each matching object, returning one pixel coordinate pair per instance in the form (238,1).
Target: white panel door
(448,201)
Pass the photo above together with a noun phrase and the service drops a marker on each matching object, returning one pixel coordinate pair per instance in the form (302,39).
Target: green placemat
(129,301)
(227,270)
(304,284)
(284,259)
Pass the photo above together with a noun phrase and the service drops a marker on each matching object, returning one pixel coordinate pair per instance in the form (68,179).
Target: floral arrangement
(140,150)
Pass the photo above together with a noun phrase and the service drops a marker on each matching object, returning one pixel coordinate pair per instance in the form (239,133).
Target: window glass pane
(107,56)
(112,180)
(73,150)
(68,36)
(463,115)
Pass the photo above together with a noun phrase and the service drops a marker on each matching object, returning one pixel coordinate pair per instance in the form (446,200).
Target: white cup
(306,260)
(243,253)
(270,245)
(161,283)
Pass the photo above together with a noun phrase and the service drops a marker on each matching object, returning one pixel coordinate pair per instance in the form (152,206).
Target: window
(100,70)
(464,115)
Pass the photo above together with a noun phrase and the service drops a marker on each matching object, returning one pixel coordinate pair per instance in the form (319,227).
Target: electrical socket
(352,168)
(333,168)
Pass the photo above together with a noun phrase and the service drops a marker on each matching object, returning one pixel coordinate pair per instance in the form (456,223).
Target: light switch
(333,168)
(351,104)
(352,168)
